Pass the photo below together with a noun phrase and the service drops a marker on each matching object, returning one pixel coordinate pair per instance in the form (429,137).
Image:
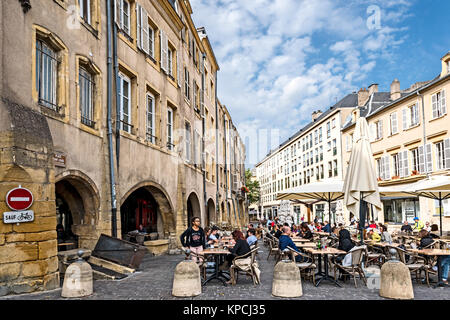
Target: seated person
(251,238)
(327,227)
(425,239)
(278,232)
(385,235)
(445,264)
(406,227)
(286,241)
(372,235)
(141,229)
(434,229)
(372,225)
(213,237)
(240,248)
(345,244)
(305,232)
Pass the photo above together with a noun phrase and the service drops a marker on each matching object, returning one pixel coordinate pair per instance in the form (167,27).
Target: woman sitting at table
(385,235)
(305,232)
(345,244)
(240,248)
(425,239)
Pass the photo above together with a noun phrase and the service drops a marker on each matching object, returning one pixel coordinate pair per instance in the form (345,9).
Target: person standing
(194,238)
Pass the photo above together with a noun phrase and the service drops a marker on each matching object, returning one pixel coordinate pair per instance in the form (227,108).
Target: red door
(145,214)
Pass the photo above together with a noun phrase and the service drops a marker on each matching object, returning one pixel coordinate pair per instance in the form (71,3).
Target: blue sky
(282,59)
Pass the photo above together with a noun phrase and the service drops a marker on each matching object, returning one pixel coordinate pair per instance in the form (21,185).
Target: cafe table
(218,274)
(325,252)
(323,234)
(306,245)
(298,239)
(435,252)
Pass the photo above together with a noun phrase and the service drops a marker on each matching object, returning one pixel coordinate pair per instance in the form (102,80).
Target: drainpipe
(110,143)
(225,163)
(116,74)
(217,148)
(202,101)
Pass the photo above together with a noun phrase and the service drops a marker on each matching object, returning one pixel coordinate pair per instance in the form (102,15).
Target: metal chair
(247,269)
(416,264)
(273,248)
(355,267)
(305,267)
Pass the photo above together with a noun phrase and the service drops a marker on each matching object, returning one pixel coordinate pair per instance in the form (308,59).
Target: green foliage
(253,185)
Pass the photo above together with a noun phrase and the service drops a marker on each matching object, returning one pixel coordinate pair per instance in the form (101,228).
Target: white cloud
(282,59)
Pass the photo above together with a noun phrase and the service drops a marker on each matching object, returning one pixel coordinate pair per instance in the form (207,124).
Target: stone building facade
(96,116)
(410,139)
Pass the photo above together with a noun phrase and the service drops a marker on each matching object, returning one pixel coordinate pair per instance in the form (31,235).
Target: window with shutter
(443,103)
(440,156)
(145,31)
(387,171)
(138,26)
(429,158)
(164,51)
(394,123)
(405,163)
(434,106)
(405,119)
(447,153)
(421,160)
(399,165)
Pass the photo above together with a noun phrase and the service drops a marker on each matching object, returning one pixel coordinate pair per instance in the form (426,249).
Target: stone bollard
(396,281)
(78,280)
(286,280)
(186,281)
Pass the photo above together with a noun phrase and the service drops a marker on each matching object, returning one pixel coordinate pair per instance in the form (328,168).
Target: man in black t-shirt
(194,238)
(406,227)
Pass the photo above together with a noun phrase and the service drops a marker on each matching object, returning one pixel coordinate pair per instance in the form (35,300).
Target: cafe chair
(255,245)
(416,263)
(245,264)
(273,248)
(306,268)
(201,262)
(374,255)
(356,266)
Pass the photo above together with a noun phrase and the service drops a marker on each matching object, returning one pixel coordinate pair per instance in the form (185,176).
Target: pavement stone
(153,281)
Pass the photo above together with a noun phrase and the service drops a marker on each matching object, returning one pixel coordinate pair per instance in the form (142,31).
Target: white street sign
(18,216)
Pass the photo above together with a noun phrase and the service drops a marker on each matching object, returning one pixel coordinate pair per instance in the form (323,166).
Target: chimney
(373,88)
(315,115)
(395,90)
(363,96)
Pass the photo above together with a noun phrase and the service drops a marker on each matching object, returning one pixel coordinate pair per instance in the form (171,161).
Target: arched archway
(148,204)
(193,208)
(77,204)
(211,214)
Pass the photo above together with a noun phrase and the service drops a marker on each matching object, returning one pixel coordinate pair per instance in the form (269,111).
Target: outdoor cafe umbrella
(328,190)
(360,184)
(433,187)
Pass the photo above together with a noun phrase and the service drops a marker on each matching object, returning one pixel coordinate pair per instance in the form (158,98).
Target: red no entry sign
(19,199)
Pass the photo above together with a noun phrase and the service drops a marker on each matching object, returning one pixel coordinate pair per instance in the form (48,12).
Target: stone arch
(165,208)
(211,216)
(193,207)
(77,205)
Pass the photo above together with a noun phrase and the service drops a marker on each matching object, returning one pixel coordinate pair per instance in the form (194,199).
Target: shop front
(397,210)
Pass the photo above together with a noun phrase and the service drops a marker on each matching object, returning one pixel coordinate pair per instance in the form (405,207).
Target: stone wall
(28,251)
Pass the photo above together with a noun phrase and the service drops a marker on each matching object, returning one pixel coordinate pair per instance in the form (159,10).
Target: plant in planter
(395,177)
(414,173)
(379,179)
(244,189)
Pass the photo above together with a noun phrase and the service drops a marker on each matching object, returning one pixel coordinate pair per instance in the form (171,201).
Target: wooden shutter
(400,164)
(421,160)
(164,51)
(447,153)
(387,171)
(179,68)
(394,127)
(405,118)
(429,158)
(434,105)
(145,34)
(443,102)
(138,26)
(117,12)
(405,163)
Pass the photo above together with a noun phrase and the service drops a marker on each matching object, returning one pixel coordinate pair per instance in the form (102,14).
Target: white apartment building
(313,154)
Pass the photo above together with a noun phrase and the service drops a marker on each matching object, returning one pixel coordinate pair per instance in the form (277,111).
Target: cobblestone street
(154,282)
